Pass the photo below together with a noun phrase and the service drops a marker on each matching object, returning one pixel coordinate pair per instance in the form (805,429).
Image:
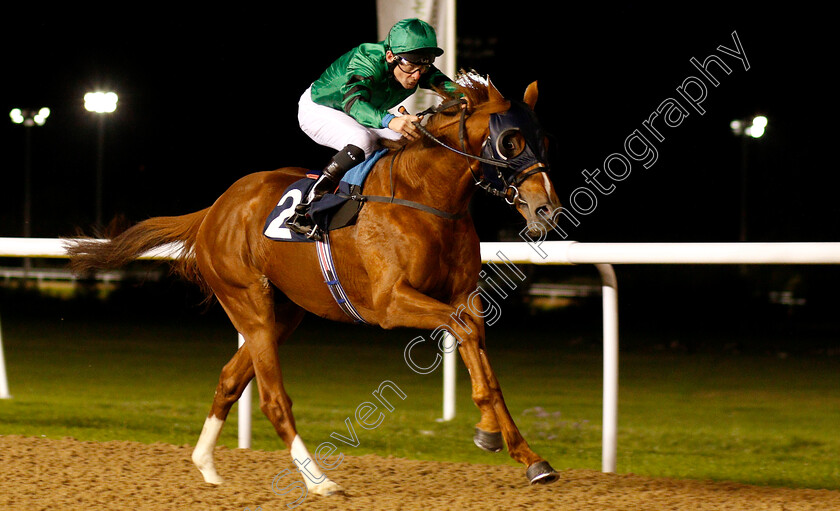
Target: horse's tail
(89,254)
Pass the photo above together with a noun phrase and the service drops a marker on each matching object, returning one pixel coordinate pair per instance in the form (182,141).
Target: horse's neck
(434,176)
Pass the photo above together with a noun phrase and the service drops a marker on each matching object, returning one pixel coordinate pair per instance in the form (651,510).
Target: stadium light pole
(28,118)
(746,129)
(100,103)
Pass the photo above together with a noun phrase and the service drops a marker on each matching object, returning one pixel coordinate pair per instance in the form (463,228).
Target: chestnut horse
(400,266)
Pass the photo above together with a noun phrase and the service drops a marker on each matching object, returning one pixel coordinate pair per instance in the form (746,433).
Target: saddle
(332,211)
(338,209)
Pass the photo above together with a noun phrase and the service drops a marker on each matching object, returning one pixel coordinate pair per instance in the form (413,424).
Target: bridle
(519,167)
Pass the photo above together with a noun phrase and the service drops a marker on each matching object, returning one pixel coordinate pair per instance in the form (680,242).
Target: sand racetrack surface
(43,474)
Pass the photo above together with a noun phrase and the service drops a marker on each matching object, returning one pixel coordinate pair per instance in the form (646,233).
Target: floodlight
(16,115)
(754,128)
(29,117)
(41,117)
(101,102)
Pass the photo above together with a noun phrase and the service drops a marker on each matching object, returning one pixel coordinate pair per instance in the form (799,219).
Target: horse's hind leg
(234,378)
(277,406)
(264,325)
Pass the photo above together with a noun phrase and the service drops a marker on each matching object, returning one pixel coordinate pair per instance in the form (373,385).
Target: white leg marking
(202,455)
(316,481)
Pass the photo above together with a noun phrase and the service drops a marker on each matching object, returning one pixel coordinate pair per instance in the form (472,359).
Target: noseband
(500,176)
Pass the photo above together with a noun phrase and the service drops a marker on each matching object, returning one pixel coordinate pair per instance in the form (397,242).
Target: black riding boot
(344,160)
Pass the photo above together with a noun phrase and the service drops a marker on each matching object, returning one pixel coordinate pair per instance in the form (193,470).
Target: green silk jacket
(361,84)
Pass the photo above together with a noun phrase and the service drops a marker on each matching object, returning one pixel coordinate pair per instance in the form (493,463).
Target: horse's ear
(531,95)
(494,94)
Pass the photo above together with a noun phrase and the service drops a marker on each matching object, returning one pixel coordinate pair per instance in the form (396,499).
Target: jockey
(347,107)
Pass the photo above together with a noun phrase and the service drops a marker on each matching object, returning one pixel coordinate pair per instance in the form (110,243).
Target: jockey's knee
(369,143)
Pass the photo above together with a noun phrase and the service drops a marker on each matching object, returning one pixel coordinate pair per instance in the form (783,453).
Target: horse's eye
(510,144)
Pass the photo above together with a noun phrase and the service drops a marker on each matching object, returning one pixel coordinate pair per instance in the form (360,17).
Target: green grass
(750,418)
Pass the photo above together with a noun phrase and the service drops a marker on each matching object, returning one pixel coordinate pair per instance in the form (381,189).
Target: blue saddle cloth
(330,212)
(357,175)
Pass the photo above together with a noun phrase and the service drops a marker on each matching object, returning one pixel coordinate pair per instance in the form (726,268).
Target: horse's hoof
(327,488)
(208,470)
(213,478)
(490,442)
(541,473)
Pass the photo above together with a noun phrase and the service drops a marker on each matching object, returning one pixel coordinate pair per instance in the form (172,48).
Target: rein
(405,202)
(510,194)
(462,129)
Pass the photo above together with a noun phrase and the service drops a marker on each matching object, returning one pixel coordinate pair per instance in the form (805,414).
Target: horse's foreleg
(488,434)
(539,470)
(487,396)
(411,308)
(234,378)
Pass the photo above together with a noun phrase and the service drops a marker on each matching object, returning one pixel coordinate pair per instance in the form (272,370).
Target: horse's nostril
(543,211)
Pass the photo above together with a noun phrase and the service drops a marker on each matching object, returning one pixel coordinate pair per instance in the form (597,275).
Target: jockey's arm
(357,105)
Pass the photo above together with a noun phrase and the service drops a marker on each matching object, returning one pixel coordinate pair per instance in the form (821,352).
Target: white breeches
(334,128)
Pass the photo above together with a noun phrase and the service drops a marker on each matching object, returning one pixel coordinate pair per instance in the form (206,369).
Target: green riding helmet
(415,40)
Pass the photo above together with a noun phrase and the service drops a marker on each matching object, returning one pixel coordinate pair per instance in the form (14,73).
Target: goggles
(410,68)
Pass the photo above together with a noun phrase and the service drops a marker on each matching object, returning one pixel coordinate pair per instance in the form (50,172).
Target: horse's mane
(471,87)
(474,87)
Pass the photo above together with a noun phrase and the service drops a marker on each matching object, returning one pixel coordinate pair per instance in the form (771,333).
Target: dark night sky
(205,99)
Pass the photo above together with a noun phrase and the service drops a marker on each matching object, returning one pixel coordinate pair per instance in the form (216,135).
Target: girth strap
(325,261)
